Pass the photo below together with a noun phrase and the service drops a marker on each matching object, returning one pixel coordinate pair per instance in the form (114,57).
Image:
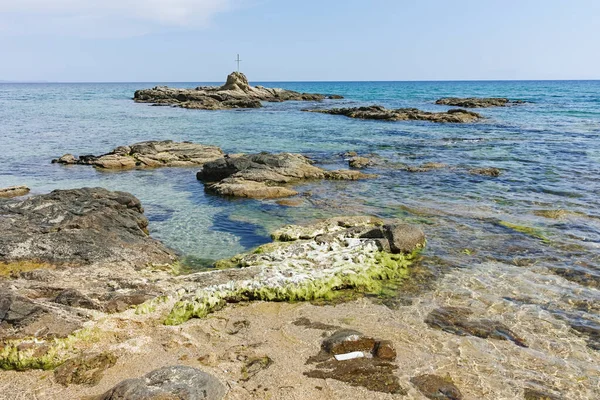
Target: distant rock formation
(402,114)
(149,154)
(477,102)
(265,175)
(235,93)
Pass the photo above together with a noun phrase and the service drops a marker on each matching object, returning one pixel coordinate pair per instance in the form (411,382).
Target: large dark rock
(79,227)
(263,175)
(402,114)
(404,238)
(235,93)
(176,382)
(477,102)
(150,154)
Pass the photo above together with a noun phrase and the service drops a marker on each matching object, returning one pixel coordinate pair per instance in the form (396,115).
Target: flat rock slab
(150,154)
(79,227)
(13,191)
(265,175)
(235,93)
(402,114)
(176,382)
(477,102)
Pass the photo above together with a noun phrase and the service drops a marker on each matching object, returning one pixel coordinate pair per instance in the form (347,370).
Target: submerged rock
(263,175)
(477,102)
(150,154)
(457,320)
(437,388)
(489,171)
(235,93)
(359,162)
(13,191)
(176,382)
(532,394)
(78,227)
(403,114)
(348,341)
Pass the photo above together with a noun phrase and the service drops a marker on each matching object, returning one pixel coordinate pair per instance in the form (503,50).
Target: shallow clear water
(549,151)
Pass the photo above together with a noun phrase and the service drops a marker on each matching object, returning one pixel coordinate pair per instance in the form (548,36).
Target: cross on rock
(238,63)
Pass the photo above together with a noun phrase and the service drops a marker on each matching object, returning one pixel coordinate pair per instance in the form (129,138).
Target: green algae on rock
(324,258)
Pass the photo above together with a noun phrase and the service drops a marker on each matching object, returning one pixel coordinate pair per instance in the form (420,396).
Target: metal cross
(238,62)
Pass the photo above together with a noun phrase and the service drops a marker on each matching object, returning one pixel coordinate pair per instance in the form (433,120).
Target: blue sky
(197,40)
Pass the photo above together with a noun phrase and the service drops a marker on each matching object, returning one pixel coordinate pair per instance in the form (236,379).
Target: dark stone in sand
(150,154)
(437,388)
(314,324)
(176,382)
(263,175)
(13,191)
(86,369)
(477,102)
(347,341)
(373,372)
(370,373)
(235,93)
(457,320)
(589,328)
(402,114)
(79,227)
(254,365)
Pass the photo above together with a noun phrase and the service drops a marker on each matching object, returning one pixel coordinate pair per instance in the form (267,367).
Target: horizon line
(308,81)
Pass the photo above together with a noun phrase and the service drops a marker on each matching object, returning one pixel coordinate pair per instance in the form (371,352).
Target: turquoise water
(549,150)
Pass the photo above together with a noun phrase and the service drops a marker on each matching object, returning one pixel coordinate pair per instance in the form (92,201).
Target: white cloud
(106,17)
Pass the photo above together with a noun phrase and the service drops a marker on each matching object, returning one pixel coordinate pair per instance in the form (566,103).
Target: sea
(540,217)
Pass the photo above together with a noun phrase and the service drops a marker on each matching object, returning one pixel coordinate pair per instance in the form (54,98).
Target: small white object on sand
(349,356)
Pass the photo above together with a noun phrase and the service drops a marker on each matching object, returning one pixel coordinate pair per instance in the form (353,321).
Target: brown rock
(384,349)
(84,370)
(13,191)
(476,102)
(404,238)
(150,154)
(437,388)
(348,341)
(235,93)
(402,114)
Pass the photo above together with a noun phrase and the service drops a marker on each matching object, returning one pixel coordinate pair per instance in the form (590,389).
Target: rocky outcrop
(235,93)
(78,227)
(304,263)
(13,191)
(150,154)
(477,102)
(176,382)
(265,175)
(402,114)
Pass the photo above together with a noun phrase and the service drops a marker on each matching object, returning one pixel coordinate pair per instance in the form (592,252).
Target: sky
(298,40)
